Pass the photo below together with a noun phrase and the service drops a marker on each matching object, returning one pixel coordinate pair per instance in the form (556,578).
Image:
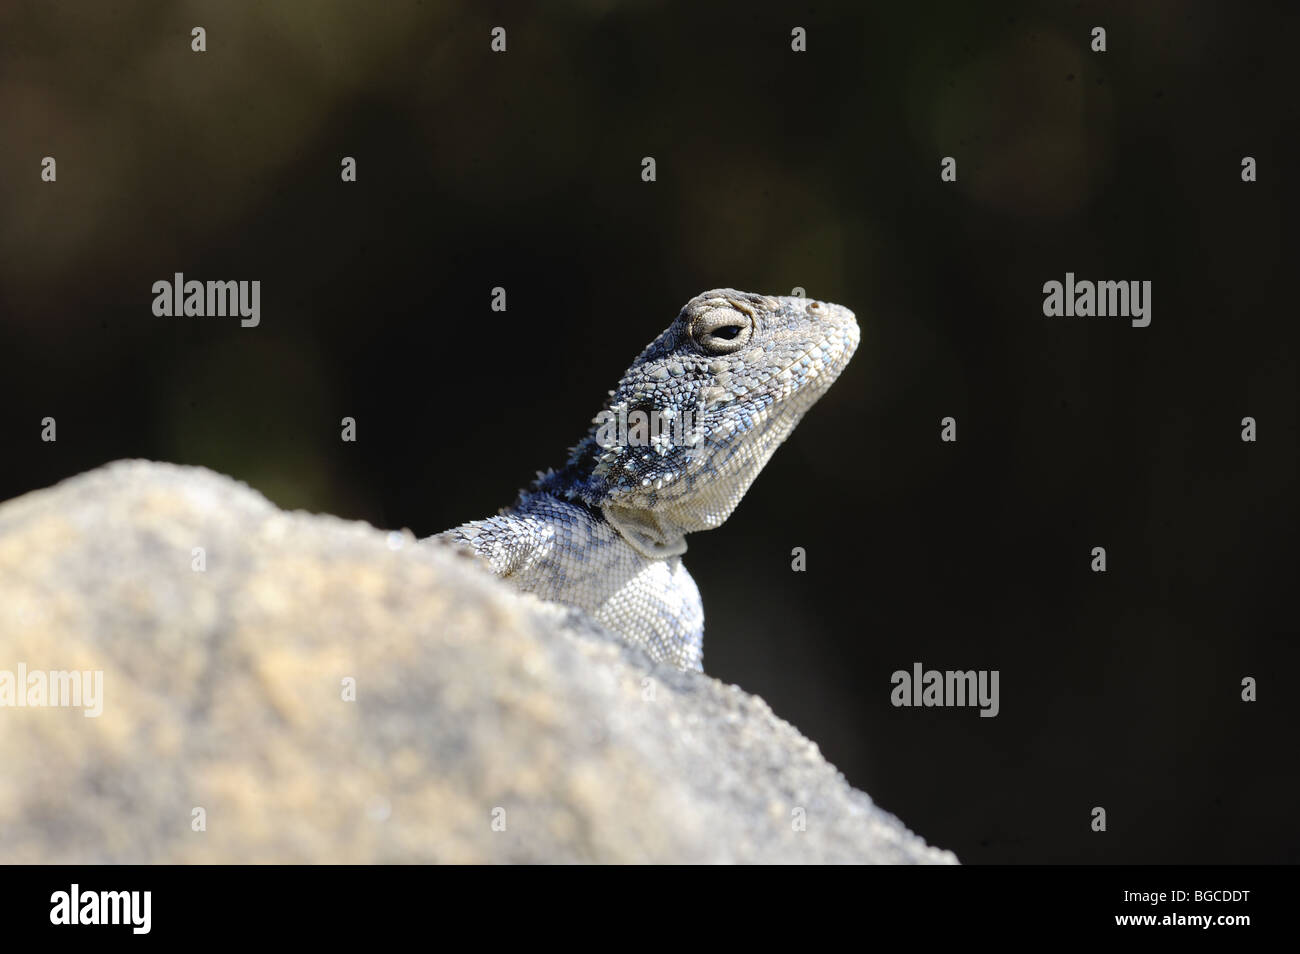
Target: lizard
(678,443)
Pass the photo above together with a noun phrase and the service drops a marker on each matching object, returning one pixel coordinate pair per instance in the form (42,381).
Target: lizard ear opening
(649,534)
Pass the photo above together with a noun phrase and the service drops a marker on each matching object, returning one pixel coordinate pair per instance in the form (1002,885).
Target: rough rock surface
(476,708)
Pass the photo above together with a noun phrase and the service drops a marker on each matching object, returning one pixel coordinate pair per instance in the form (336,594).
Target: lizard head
(704,406)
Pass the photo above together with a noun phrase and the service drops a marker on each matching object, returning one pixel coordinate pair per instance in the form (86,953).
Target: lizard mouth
(780,390)
(847,343)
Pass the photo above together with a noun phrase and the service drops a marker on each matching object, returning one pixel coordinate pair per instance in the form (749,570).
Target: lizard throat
(647,532)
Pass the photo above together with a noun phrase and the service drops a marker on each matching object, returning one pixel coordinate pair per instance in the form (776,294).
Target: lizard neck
(648,532)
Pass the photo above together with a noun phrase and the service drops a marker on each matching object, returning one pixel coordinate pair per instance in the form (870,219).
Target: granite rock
(287,687)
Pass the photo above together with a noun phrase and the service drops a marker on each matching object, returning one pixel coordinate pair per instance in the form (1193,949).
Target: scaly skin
(606,533)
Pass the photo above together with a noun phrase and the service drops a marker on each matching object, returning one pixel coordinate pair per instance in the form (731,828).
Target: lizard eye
(722,330)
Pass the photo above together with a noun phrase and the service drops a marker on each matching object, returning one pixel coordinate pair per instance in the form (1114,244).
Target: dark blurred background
(775,169)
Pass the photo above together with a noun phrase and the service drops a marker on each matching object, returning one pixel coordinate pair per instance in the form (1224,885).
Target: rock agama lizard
(691,424)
